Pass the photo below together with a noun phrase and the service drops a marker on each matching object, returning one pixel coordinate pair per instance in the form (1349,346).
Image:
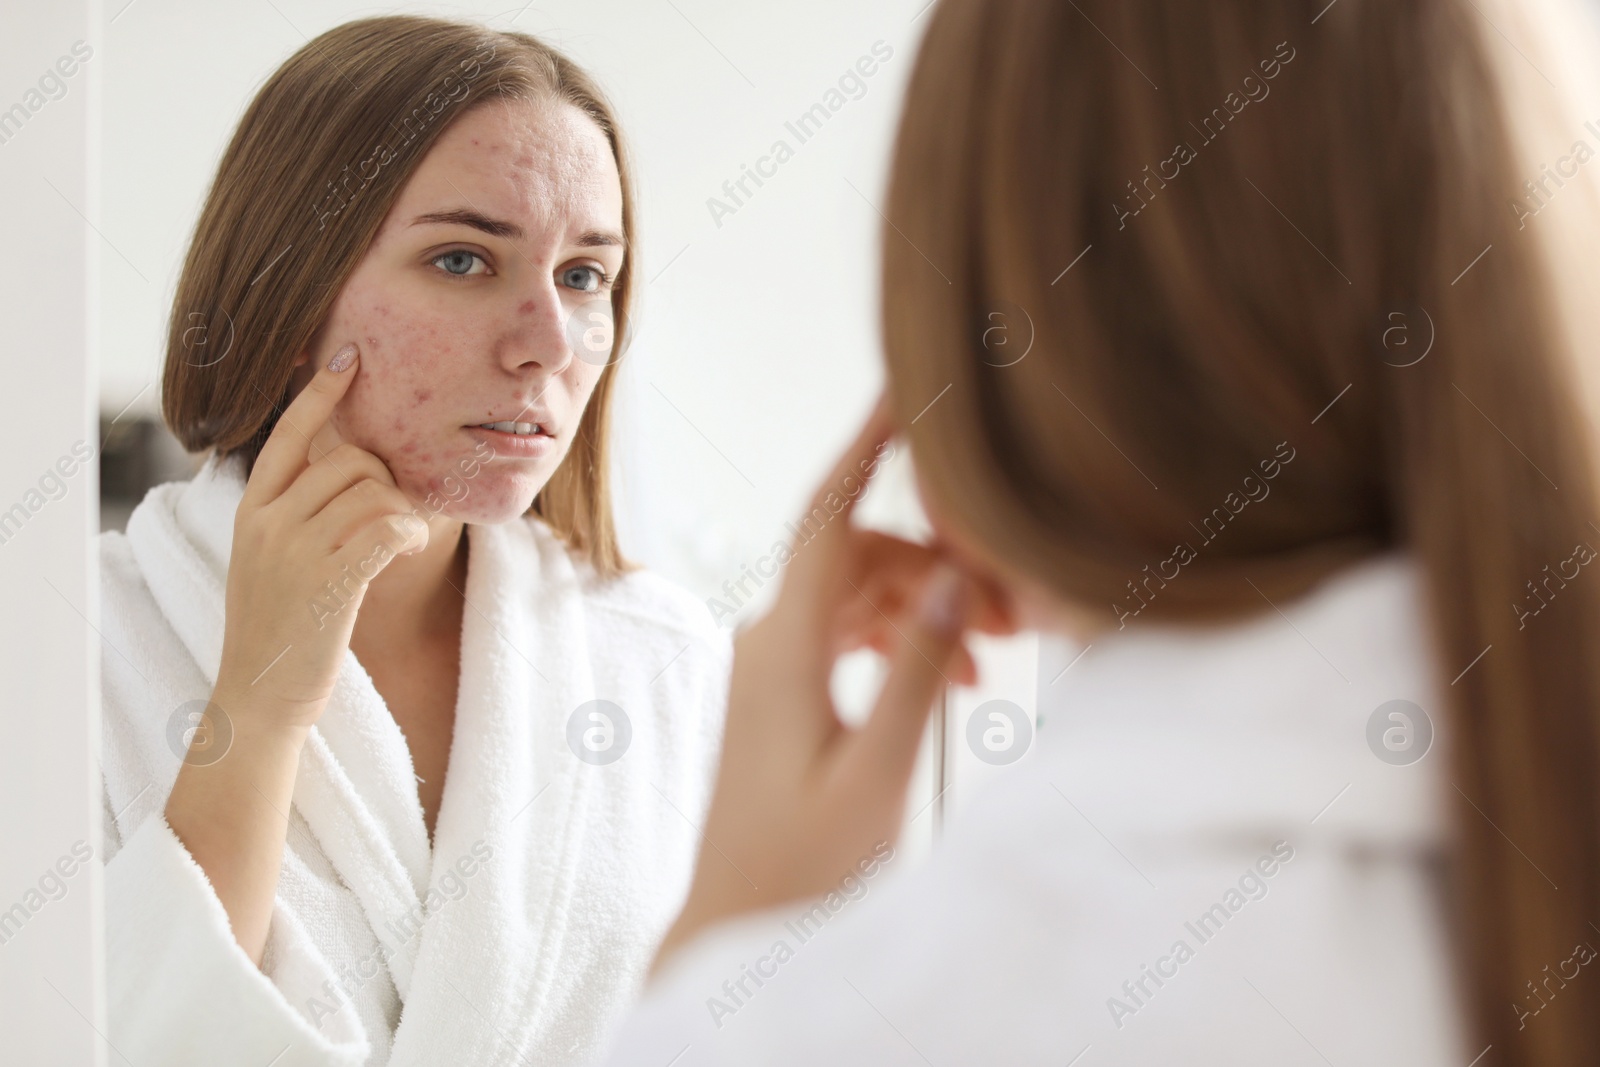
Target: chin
(492,496)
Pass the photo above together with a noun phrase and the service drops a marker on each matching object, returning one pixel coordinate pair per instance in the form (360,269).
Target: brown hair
(1232,306)
(318,159)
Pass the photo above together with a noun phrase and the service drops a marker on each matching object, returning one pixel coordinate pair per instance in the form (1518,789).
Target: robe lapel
(352,789)
(493,939)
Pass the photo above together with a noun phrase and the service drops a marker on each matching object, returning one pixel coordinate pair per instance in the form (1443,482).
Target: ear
(1003,605)
(303,370)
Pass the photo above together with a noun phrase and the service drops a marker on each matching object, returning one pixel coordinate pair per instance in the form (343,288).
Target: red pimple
(527,307)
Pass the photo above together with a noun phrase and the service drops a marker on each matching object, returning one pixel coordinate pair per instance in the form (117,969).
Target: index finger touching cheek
(288,449)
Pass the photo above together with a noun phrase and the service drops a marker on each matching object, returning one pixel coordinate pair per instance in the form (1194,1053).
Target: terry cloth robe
(1203,860)
(529,923)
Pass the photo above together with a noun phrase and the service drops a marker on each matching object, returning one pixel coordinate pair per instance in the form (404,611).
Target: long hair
(317,161)
(1229,232)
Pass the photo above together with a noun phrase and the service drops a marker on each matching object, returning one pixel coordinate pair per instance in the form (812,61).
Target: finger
(765,730)
(352,510)
(992,605)
(323,481)
(887,559)
(989,607)
(885,640)
(325,442)
(964,669)
(377,543)
(284,455)
(919,669)
(831,509)
(894,571)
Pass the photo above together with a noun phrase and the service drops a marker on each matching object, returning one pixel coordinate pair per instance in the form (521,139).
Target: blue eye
(586,279)
(458,262)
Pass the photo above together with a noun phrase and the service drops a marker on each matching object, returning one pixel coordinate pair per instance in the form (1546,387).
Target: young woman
(403,761)
(1323,787)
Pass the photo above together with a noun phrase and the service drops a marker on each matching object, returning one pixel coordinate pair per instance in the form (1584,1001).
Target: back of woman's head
(318,160)
(1218,298)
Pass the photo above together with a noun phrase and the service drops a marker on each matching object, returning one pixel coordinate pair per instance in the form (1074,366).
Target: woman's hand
(316,512)
(320,518)
(800,798)
(889,576)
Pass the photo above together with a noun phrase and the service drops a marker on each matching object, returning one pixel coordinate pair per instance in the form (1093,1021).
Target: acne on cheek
(397,410)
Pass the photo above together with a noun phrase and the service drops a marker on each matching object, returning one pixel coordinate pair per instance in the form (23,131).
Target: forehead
(542,164)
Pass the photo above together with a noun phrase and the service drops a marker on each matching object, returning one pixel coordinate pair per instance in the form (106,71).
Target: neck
(418,596)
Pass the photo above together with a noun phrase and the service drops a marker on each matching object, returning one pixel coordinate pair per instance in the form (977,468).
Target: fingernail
(343,358)
(943,604)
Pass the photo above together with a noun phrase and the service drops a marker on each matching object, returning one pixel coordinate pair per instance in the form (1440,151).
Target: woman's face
(484,298)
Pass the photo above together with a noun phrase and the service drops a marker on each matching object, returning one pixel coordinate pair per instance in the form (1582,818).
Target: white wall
(50,1000)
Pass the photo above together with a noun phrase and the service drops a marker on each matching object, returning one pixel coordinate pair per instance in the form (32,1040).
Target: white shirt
(1202,861)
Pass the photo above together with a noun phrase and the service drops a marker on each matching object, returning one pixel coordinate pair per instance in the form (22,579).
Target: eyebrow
(503,228)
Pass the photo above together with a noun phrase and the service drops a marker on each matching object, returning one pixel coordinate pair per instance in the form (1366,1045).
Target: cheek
(396,408)
(583,378)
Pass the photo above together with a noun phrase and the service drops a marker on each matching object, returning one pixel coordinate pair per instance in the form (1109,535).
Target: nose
(536,340)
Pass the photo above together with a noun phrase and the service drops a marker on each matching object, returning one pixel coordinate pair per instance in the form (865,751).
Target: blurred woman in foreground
(1326,788)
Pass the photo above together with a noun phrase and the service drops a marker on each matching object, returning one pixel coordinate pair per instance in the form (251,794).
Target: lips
(521,429)
(524,422)
(510,444)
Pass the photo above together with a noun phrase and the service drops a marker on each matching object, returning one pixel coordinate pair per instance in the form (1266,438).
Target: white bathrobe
(1214,790)
(550,878)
